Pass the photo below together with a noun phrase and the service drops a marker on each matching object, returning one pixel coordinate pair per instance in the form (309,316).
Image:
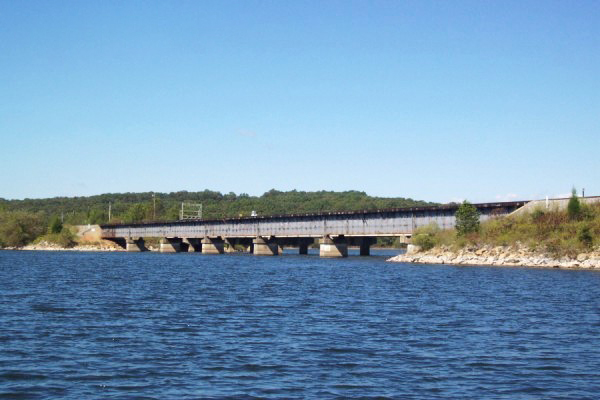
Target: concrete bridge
(267,235)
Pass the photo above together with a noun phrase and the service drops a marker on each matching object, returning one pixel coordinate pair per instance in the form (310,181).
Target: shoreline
(498,256)
(104,248)
(77,247)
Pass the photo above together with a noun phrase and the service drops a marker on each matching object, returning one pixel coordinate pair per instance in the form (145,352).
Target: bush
(584,236)
(20,228)
(537,214)
(65,238)
(467,219)
(574,206)
(424,240)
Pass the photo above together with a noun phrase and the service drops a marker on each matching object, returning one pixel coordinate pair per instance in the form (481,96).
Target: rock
(582,257)
(571,264)
(412,248)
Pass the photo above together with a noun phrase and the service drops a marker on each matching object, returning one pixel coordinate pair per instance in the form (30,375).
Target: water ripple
(77,325)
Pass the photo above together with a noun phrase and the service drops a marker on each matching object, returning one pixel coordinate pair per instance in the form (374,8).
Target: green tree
(574,206)
(20,228)
(97,216)
(467,219)
(56,225)
(136,213)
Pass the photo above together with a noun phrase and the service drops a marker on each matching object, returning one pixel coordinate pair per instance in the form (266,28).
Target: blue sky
(438,101)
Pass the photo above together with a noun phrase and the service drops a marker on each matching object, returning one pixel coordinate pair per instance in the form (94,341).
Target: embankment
(46,246)
(504,256)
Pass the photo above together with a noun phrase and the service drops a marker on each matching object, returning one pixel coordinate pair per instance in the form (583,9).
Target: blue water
(119,325)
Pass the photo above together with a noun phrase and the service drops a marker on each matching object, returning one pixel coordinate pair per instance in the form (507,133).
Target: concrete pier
(170,245)
(303,244)
(365,245)
(303,248)
(213,246)
(333,247)
(265,247)
(229,245)
(134,245)
(191,245)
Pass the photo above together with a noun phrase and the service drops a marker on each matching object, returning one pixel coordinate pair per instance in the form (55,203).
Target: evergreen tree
(574,206)
(56,225)
(467,219)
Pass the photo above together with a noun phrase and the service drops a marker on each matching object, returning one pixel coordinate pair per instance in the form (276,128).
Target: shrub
(424,240)
(584,236)
(20,228)
(65,238)
(467,219)
(574,206)
(537,214)
(429,229)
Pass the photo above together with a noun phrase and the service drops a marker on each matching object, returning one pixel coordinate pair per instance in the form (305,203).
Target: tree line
(23,220)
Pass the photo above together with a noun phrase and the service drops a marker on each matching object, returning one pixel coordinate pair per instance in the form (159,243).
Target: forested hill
(134,207)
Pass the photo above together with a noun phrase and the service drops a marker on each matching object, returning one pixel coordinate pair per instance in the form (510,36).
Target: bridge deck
(366,223)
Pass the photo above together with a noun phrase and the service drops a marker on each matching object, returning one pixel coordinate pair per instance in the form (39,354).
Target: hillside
(133,207)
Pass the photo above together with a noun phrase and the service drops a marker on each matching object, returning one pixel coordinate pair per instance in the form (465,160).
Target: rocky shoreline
(45,246)
(504,256)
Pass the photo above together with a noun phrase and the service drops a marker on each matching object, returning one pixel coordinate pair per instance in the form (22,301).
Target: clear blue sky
(484,100)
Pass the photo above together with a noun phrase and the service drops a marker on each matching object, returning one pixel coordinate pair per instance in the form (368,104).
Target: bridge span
(267,235)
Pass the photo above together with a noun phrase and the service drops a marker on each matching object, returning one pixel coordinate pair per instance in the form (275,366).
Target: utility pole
(583,192)
(154,210)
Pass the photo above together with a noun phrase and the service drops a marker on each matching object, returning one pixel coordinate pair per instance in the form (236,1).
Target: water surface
(119,325)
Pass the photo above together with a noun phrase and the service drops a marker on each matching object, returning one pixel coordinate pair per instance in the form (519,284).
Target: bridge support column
(365,245)
(193,245)
(303,245)
(170,245)
(213,246)
(333,247)
(229,246)
(134,245)
(262,247)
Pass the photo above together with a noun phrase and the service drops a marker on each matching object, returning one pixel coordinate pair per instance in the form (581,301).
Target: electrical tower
(190,211)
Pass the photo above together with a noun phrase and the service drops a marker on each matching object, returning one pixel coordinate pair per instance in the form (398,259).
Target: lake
(122,325)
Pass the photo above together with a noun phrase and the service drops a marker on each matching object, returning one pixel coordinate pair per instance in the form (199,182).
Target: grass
(555,232)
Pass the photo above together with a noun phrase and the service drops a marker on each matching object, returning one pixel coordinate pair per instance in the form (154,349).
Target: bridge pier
(405,239)
(365,245)
(262,247)
(191,245)
(303,248)
(170,245)
(134,245)
(213,246)
(333,247)
(229,245)
(303,244)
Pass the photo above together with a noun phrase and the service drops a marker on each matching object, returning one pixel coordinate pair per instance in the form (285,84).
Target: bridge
(268,235)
